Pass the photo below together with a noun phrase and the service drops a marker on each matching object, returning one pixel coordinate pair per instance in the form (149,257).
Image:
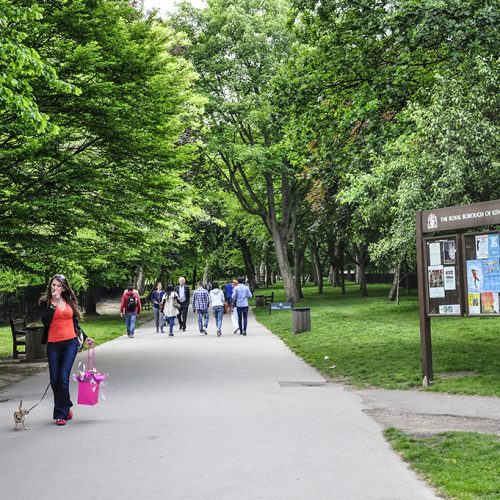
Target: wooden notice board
(457,274)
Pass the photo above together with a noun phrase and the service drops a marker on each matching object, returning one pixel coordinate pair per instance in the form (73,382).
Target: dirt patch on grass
(13,371)
(424,424)
(424,413)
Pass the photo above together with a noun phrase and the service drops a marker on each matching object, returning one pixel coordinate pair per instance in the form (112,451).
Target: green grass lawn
(372,342)
(462,465)
(101,328)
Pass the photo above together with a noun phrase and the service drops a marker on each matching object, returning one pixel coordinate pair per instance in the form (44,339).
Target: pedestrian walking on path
(241,294)
(130,309)
(157,299)
(171,300)
(60,313)
(217,303)
(184,296)
(233,311)
(228,291)
(200,305)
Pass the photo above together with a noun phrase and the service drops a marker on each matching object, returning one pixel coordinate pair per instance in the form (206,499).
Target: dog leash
(34,406)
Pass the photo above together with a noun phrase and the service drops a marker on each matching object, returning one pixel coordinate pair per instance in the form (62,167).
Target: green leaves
(20,65)
(90,194)
(397,108)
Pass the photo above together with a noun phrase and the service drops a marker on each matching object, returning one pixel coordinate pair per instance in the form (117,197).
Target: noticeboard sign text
(461,217)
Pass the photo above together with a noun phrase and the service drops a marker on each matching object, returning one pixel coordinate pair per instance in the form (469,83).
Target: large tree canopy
(398,104)
(133,145)
(103,181)
(237,47)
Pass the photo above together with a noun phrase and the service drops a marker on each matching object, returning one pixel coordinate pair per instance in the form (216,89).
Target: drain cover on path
(302,384)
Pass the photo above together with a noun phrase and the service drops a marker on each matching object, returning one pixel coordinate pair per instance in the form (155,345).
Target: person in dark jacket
(228,292)
(157,299)
(183,292)
(59,312)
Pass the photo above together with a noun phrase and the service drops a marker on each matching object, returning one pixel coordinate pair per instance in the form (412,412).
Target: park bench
(264,300)
(18,326)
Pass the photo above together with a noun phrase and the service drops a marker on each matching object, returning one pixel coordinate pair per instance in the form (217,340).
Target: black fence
(23,302)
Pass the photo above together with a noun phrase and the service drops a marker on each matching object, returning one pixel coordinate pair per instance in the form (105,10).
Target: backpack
(131,303)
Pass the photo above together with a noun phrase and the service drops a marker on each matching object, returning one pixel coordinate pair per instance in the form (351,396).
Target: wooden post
(425,321)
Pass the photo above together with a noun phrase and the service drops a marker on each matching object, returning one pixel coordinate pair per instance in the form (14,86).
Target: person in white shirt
(217,303)
(169,308)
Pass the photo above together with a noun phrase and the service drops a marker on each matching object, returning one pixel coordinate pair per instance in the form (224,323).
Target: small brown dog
(20,415)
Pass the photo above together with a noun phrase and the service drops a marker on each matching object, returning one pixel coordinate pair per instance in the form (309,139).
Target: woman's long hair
(67,294)
(169,290)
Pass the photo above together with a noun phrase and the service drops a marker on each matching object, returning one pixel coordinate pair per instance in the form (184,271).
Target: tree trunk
(321,268)
(206,271)
(162,278)
(280,245)
(314,265)
(338,276)
(317,266)
(269,275)
(90,300)
(247,258)
(408,272)
(336,261)
(393,293)
(339,259)
(342,278)
(298,258)
(261,274)
(361,267)
(268,267)
(140,279)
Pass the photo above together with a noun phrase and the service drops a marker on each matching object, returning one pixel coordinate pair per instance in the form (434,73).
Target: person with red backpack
(130,308)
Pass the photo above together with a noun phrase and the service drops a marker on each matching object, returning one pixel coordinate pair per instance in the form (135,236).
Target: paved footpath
(202,417)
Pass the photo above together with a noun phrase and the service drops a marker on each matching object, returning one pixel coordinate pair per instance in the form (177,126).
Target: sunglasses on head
(60,277)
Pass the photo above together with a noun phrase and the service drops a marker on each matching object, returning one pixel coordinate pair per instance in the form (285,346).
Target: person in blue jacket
(157,299)
(241,294)
(228,292)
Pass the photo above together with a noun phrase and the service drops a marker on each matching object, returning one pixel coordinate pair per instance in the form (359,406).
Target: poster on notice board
(483,273)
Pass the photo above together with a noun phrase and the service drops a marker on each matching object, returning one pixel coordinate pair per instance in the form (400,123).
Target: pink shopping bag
(88,393)
(89,380)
